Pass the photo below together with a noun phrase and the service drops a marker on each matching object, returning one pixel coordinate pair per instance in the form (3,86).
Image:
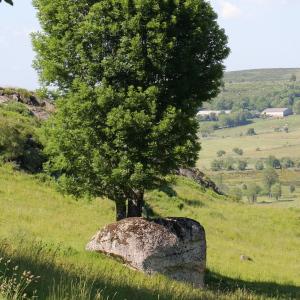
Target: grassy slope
(46,233)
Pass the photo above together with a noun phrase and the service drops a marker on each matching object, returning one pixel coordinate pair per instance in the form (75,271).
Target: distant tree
(270,177)
(133,75)
(221,153)
(242,165)
(287,162)
(252,192)
(244,186)
(286,128)
(259,165)
(276,191)
(250,131)
(273,162)
(238,151)
(293,78)
(236,194)
(296,107)
(292,189)
(229,164)
(216,165)
(8,1)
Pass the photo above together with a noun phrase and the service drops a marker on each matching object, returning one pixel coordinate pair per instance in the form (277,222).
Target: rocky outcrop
(175,247)
(199,177)
(40,108)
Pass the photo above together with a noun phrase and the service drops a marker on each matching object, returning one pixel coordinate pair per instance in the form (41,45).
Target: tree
(270,177)
(236,193)
(276,191)
(217,165)
(259,165)
(293,78)
(242,165)
(133,75)
(238,151)
(287,162)
(292,189)
(252,192)
(221,153)
(250,132)
(296,107)
(273,162)
(8,1)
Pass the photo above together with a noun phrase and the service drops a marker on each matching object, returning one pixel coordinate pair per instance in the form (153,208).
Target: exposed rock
(175,247)
(41,109)
(200,178)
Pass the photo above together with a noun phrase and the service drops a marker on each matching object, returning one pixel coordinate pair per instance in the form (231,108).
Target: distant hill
(255,90)
(262,75)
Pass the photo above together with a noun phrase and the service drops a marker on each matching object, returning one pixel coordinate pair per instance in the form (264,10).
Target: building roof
(275,110)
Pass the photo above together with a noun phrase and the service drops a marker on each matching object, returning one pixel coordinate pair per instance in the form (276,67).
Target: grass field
(266,142)
(44,232)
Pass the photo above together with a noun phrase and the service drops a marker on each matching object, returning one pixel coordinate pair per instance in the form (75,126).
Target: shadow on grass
(222,283)
(57,283)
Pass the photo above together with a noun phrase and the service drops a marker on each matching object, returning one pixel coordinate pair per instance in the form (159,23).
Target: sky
(262,34)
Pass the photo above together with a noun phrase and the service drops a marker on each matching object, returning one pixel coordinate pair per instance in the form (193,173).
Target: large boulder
(175,247)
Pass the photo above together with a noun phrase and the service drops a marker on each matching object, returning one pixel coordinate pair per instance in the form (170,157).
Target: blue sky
(262,34)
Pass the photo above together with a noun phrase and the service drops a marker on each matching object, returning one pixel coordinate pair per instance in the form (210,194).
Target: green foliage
(217,165)
(273,162)
(270,177)
(16,107)
(250,132)
(236,193)
(292,189)
(259,165)
(19,140)
(238,151)
(134,76)
(296,107)
(252,192)
(276,191)
(221,153)
(242,165)
(287,162)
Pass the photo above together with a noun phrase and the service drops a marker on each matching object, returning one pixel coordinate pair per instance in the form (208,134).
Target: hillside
(45,232)
(255,75)
(256,90)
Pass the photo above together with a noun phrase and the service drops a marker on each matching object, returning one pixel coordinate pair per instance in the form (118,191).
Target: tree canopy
(133,75)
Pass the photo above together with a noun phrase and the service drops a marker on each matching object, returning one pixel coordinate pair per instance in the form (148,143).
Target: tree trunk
(135,204)
(120,210)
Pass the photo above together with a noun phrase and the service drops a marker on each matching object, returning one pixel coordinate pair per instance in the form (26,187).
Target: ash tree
(132,75)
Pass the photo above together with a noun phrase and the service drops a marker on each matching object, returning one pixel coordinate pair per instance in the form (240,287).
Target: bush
(236,193)
(292,189)
(238,151)
(287,162)
(19,141)
(250,132)
(221,153)
(216,165)
(273,162)
(242,165)
(276,191)
(229,164)
(259,165)
(17,107)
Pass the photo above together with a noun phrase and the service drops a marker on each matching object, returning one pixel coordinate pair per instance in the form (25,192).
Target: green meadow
(45,232)
(266,141)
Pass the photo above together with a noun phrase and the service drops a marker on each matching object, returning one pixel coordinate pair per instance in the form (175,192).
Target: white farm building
(277,112)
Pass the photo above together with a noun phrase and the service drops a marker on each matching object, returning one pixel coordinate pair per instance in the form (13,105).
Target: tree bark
(135,204)
(120,210)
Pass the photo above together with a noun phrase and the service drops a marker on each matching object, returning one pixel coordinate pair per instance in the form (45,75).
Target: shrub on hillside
(287,162)
(250,132)
(252,192)
(259,165)
(273,162)
(236,193)
(276,191)
(20,143)
(17,107)
(217,165)
(221,153)
(292,189)
(241,165)
(238,151)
